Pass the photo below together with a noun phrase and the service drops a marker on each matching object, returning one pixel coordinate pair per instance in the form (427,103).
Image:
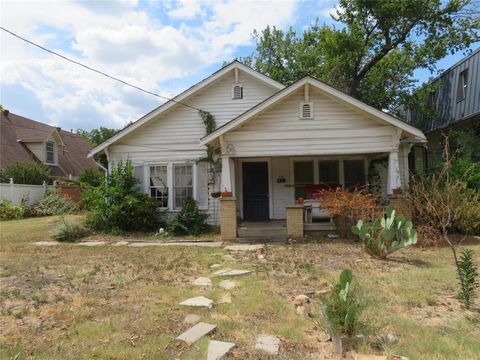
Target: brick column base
(228,218)
(295,221)
(402,205)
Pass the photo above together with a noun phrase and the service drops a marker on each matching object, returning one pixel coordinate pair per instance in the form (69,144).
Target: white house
(275,143)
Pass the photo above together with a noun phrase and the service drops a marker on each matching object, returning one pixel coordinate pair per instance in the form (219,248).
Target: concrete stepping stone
(191,319)
(215,266)
(235,272)
(92,243)
(268,344)
(121,243)
(217,349)
(46,243)
(220,272)
(198,301)
(227,284)
(225,299)
(153,243)
(244,247)
(202,281)
(196,332)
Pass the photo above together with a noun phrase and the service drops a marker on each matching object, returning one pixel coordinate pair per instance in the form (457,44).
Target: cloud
(125,39)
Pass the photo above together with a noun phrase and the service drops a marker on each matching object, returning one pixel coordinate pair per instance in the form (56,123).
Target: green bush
(189,221)
(25,172)
(342,308)
(9,211)
(386,234)
(69,231)
(468,278)
(118,205)
(54,204)
(91,177)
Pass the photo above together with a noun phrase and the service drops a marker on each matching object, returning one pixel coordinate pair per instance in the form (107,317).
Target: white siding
(335,129)
(282,195)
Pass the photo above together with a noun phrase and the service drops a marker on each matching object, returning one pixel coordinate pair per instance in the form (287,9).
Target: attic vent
(306,111)
(237,92)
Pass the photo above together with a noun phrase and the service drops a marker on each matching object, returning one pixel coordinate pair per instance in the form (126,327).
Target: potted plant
(226,193)
(216,194)
(398,191)
(300,200)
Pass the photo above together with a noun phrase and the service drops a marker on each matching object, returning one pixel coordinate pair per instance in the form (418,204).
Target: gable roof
(182,97)
(17,130)
(379,115)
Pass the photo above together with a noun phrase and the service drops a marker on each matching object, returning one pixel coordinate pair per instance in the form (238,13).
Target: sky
(162,46)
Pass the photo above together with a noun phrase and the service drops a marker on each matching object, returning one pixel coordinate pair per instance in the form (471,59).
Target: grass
(68,301)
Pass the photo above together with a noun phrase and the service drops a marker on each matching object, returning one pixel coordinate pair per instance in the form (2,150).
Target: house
(275,144)
(24,139)
(455,102)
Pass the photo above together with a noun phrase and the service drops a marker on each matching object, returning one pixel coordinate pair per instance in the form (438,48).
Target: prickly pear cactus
(386,235)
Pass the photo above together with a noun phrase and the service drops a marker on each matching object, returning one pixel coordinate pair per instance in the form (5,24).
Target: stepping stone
(227,284)
(92,243)
(268,344)
(196,332)
(235,273)
(156,243)
(220,272)
(46,243)
(225,299)
(198,301)
(215,266)
(202,281)
(121,243)
(217,349)
(244,247)
(191,319)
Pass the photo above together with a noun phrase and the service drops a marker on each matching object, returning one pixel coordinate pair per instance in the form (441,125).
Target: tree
(97,136)
(374,52)
(25,172)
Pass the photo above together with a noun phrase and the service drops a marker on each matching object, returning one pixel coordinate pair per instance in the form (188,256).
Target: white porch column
(393,172)
(228,174)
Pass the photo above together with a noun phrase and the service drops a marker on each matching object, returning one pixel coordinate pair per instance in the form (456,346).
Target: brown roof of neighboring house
(17,130)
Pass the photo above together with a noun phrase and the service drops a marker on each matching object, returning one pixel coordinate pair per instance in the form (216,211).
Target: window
(158,185)
(354,171)
(303,175)
(182,184)
(306,111)
(328,172)
(462,85)
(237,92)
(50,152)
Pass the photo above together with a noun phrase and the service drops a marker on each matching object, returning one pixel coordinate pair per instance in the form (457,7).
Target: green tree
(374,51)
(25,172)
(97,136)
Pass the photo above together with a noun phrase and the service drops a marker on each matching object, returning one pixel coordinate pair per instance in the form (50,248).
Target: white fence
(29,194)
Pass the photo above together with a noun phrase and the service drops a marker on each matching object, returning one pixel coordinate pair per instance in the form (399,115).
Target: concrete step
(262,239)
(261,232)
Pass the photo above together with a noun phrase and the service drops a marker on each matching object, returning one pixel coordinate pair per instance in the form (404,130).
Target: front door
(255,191)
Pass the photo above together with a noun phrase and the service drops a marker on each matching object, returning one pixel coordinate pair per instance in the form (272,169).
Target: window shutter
(202,185)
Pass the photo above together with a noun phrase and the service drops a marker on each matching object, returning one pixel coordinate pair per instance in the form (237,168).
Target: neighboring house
(22,139)
(276,144)
(456,106)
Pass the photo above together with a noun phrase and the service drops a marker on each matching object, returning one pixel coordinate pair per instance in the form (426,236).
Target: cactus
(386,235)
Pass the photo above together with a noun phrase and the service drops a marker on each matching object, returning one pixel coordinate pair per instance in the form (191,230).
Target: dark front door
(255,191)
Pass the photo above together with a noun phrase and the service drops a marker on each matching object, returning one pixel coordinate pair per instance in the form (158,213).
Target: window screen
(328,172)
(158,185)
(354,171)
(50,147)
(303,174)
(182,184)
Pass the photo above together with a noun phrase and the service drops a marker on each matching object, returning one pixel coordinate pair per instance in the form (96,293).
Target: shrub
(189,221)
(91,177)
(342,308)
(468,277)
(54,204)
(118,205)
(9,211)
(69,231)
(347,207)
(386,234)
(25,172)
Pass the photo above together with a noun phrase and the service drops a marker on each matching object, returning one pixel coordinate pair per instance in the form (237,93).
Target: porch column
(393,172)
(228,174)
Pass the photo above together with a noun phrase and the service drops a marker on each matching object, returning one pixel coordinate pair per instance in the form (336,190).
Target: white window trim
(312,115)
(148,187)
(54,152)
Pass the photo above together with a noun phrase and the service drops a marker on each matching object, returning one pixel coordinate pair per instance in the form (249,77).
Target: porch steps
(263,233)
(262,239)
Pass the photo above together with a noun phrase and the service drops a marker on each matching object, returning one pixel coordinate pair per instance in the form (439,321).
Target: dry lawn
(74,302)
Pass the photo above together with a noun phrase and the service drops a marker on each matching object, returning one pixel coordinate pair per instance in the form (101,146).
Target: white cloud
(127,42)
